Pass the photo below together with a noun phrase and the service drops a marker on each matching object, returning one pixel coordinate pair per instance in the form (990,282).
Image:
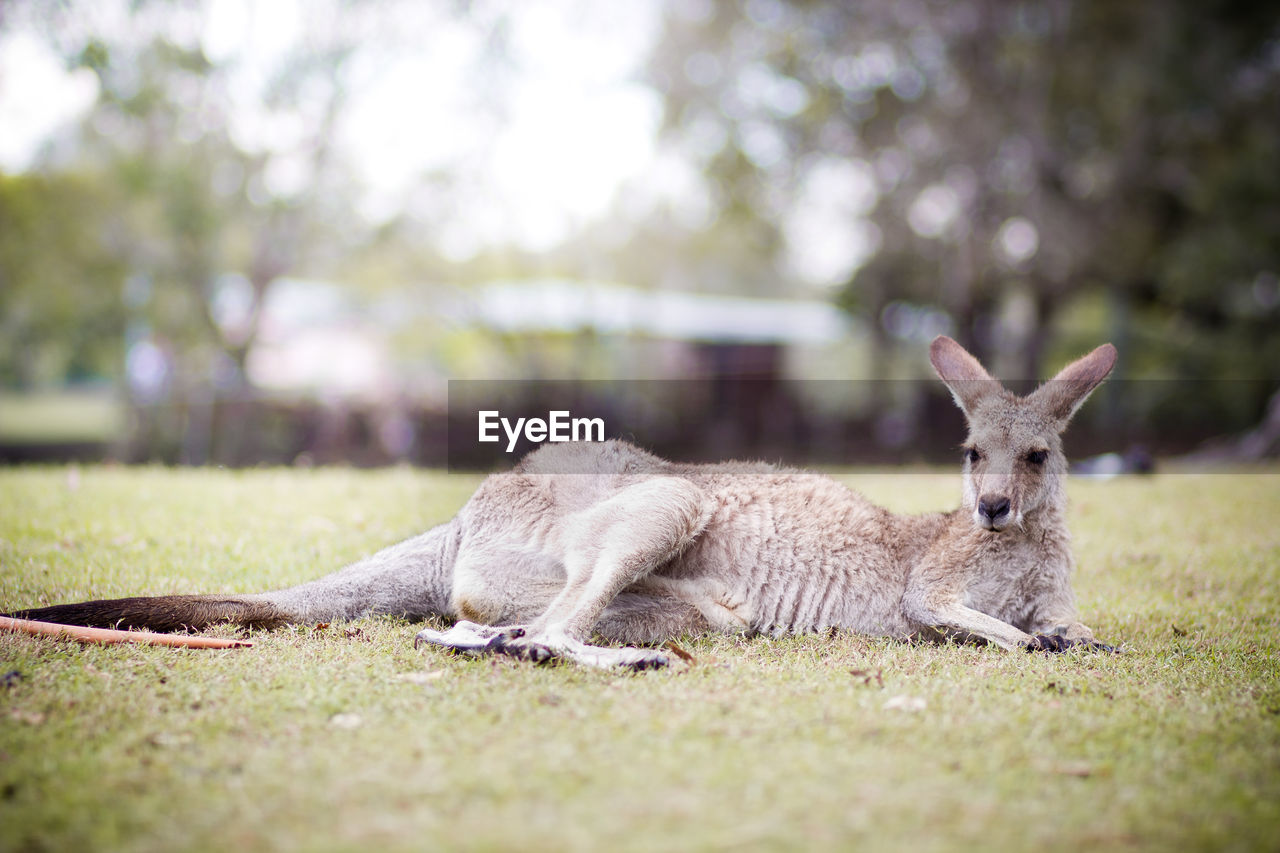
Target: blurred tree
(216,198)
(1021,154)
(221,152)
(210,222)
(60,310)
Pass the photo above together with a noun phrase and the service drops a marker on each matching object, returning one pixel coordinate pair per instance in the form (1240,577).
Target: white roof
(557,305)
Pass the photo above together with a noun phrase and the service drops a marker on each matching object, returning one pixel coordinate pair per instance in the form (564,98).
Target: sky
(38,97)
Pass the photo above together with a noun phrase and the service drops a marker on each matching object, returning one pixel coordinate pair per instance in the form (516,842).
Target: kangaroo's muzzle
(993,512)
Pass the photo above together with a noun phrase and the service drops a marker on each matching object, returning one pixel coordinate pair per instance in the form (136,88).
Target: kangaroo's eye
(1037,457)
(971,454)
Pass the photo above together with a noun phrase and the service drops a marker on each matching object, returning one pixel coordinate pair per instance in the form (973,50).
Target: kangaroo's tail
(412,579)
(160,613)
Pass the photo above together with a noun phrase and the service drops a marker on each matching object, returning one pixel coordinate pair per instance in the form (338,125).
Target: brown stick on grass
(106,635)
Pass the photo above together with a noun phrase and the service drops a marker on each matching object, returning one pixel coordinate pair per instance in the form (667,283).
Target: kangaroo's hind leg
(495,583)
(604,549)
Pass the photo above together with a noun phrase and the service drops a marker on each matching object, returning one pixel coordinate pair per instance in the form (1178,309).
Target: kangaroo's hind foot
(539,647)
(464,637)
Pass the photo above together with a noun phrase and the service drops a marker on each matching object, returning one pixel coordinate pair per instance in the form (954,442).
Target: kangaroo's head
(1013,460)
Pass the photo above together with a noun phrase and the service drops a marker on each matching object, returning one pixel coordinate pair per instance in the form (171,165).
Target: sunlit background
(242,232)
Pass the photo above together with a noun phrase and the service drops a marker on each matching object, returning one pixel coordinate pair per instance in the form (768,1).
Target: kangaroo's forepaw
(1052,643)
(1056,644)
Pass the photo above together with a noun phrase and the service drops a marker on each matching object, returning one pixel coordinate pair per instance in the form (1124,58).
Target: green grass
(345,738)
(56,417)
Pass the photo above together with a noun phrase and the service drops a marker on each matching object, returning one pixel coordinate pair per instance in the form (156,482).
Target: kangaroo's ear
(963,375)
(1063,394)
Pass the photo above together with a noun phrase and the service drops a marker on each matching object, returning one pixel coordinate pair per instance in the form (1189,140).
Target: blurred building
(730,370)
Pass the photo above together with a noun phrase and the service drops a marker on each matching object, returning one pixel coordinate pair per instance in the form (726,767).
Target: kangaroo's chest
(1007,577)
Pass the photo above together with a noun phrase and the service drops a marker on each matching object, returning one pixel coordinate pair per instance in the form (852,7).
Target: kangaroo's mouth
(993,525)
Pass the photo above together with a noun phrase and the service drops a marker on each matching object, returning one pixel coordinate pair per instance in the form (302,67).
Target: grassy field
(345,738)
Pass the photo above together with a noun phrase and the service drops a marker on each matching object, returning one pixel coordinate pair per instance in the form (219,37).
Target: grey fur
(606,539)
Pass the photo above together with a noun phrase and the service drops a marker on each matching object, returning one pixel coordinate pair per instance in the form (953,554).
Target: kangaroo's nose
(993,506)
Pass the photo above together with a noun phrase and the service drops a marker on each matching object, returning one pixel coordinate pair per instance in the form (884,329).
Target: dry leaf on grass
(1079,769)
(421,677)
(905,703)
(680,653)
(868,676)
(31,718)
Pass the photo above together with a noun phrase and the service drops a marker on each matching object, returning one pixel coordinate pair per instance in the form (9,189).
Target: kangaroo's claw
(1056,644)
(1052,643)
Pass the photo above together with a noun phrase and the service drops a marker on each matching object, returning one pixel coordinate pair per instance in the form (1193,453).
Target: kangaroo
(608,540)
